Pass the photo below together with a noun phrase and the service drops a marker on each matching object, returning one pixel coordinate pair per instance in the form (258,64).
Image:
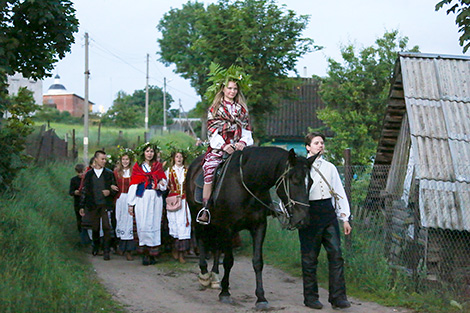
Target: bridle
(282,180)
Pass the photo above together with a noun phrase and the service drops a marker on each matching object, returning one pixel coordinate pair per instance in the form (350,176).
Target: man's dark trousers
(98,214)
(324,230)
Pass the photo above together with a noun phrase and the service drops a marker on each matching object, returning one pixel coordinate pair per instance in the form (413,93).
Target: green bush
(13,132)
(46,113)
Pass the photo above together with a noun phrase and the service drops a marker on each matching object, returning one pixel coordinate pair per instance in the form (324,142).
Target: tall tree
(122,114)
(355,93)
(33,36)
(462,9)
(129,110)
(258,35)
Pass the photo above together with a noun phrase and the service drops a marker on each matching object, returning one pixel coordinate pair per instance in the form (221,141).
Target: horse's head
(293,189)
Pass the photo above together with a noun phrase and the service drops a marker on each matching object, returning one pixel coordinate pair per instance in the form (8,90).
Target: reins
(248,189)
(281,180)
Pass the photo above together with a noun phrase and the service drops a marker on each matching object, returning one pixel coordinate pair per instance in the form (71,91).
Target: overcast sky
(123,32)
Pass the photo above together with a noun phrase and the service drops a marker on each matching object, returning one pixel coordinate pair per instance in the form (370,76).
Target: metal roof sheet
(444,204)
(437,97)
(436,78)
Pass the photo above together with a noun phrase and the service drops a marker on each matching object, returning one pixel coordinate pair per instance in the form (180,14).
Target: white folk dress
(179,222)
(124,220)
(148,213)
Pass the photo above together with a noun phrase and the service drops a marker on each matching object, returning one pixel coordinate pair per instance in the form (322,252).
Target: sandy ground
(168,287)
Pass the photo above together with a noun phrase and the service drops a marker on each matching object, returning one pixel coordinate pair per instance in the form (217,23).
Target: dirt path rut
(168,287)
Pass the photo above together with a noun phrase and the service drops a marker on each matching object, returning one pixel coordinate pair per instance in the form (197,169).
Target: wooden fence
(47,146)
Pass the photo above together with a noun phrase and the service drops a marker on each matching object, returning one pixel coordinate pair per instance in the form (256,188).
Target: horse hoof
(204,279)
(215,281)
(226,299)
(262,306)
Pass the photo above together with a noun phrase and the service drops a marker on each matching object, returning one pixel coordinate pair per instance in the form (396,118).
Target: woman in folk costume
(145,202)
(179,221)
(124,221)
(228,124)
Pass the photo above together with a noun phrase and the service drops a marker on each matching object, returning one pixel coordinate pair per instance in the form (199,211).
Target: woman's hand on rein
(240,146)
(229,148)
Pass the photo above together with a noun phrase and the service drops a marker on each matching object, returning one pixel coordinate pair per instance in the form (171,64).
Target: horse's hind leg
(215,265)
(258,233)
(215,281)
(224,295)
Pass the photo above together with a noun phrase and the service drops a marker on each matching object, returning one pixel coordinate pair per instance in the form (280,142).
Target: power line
(182,92)
(118,57)
(103,48)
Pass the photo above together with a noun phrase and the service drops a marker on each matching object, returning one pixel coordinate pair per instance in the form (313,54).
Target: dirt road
(169,287)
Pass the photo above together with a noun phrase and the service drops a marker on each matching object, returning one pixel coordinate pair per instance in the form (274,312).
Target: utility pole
(164,104)
(147,97)
(179,109)
(86,105)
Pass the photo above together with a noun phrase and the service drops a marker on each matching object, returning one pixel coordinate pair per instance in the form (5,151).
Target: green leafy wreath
(220,76)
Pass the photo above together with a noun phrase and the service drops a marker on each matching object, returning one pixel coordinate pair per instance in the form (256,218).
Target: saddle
(218,178)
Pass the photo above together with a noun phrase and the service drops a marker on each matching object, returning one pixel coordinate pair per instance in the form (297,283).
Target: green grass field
(111,138)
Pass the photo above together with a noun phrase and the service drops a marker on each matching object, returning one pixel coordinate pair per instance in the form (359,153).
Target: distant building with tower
(58,97)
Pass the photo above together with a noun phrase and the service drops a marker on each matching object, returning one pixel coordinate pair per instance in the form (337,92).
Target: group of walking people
(139,192)
(124,208)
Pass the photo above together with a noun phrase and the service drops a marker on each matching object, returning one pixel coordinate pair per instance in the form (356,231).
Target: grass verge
(43,269)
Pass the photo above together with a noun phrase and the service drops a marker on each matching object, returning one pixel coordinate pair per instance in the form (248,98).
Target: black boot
(106,256)
(340,304)
(314,304)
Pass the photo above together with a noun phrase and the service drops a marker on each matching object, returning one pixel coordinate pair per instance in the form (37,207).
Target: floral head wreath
(126,151)
(140,150)
(220,76)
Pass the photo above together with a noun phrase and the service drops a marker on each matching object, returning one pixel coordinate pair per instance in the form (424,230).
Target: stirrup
(199,215)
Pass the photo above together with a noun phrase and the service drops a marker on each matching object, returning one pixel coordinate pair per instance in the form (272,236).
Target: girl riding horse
(228,124)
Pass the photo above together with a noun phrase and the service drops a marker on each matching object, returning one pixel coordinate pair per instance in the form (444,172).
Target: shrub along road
(170,287)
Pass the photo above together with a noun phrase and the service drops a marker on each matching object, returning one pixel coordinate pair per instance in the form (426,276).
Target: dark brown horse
(243,202)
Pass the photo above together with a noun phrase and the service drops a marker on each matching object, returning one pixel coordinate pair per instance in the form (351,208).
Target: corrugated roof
(436,93)
(294,116)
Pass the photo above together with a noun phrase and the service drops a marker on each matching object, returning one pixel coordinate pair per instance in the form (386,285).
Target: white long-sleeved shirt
(320,189)
(216,141)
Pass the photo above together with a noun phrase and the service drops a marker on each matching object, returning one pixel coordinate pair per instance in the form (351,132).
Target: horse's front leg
(224,295)
(258,233)
(204,276)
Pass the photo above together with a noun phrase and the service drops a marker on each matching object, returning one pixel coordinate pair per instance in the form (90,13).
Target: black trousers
(78,217)
(311,240)
(97,215)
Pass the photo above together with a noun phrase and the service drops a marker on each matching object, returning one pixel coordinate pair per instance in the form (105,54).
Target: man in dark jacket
(98,199)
